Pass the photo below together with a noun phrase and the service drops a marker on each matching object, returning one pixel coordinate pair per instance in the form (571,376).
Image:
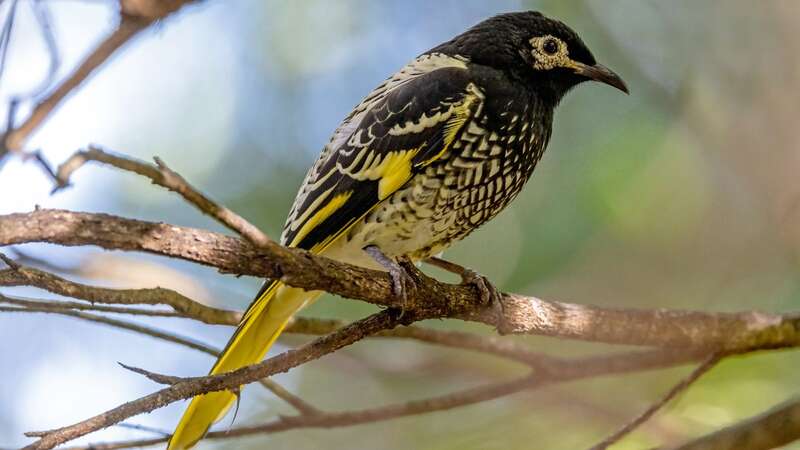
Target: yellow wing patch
(394,171)
(323,213)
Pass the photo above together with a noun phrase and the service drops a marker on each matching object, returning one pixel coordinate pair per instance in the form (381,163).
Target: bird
(435,151)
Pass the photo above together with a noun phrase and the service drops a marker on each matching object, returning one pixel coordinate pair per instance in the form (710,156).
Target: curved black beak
(602,74)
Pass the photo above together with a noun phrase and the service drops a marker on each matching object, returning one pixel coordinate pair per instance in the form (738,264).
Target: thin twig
(130,326)
(161,175)
(75,306)
(145,428)
(25,276)
(5,36)
(298,403)
(133,19)
(47,307)
(772,429)
(128,27)
(681,386)
(139,443)
(25,258)
(12,265)
(492,345)
(42,14)
(152,376)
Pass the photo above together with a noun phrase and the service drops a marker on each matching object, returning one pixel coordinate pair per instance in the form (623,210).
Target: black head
(533,48)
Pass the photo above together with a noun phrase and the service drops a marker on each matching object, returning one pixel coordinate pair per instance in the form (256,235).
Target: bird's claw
(402,273)
(489,295)
(402,282)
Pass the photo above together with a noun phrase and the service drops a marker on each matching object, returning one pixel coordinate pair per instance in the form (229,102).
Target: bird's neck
(514,106)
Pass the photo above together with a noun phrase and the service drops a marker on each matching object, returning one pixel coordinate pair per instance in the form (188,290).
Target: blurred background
(684,194)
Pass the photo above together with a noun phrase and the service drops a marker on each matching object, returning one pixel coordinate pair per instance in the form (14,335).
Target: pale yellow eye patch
(549,52)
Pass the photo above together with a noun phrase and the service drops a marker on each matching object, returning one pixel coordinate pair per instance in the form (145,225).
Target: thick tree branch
(716,331)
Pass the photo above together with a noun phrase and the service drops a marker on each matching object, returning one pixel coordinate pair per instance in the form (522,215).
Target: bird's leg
(402,281)
(488,292)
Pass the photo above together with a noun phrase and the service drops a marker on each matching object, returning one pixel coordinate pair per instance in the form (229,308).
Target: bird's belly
(432,211)
(409,223)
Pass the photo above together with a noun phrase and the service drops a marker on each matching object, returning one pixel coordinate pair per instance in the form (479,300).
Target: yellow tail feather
(262,324)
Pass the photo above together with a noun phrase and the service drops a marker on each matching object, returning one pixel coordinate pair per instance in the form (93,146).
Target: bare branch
(22,276)
(42,14)
(560,372)
(231,380)
(25,276)
(138,427)
(9,262)
(58,308)
(145,330)
(76,306)
(298,403)
(468,341)
(152,376)
(771,429)
(139,443)
(188,308)
(649,412)
(163,176)
(282,393)
(129,27)
(136,16)
(5,36)
(728,332)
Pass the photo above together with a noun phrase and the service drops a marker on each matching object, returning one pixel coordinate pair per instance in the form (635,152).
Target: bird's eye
(550,46)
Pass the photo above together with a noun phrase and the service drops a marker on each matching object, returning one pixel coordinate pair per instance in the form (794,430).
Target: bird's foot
(402,280)
(489,293)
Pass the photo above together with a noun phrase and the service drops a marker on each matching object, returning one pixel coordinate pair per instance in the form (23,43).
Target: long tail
(260,326)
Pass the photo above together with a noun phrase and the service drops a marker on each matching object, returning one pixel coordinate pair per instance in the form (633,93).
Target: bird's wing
(405,125)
